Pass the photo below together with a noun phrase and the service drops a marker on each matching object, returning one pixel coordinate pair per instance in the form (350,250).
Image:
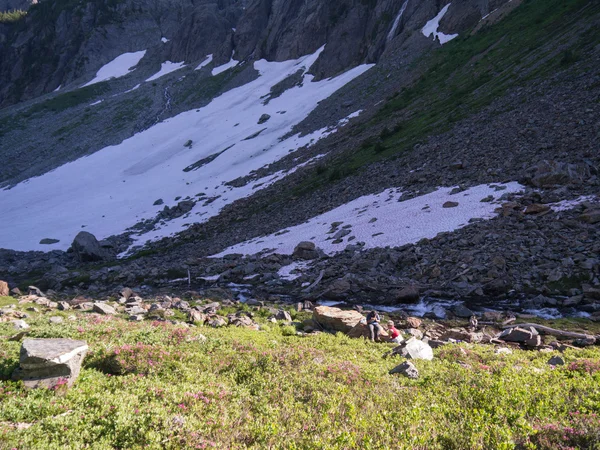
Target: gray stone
(86,248)
(407,369)
(556,361)
(103,308)
(64,306)
(283,315)
(135,310)
(416,349)
(20,325)
(408,294)
(50,362)
(461,311)
(516,334)
(305,250)
(55,320)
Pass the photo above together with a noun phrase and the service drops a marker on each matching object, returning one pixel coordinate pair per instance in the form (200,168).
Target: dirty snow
(132,89)
(392,32)
(383,220)
(431,27)
(96,103)
(164,40)
(285,272)
(205,63)
(165,68)
(565,205)
(113,189)
(118,67)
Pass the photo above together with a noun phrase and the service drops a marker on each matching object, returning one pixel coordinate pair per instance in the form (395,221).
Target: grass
(158,385)
(466,75)
(12,16)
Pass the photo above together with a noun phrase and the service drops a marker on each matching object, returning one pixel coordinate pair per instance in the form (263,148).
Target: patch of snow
(565,205)
(209,278)
(118,67)
(166,68)
(220,69)
(205,63)
(285,273)
(392,32)
(488,14)
(58,88)
(544,313)
(132,89)
(164,40)
(114,188)
(431,27)
(96,103)
(382,220)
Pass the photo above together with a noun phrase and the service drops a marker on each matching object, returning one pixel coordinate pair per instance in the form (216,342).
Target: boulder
(516,334)
(556,361)
(64,306)
(305,250)
(86,248)
(126,293)
(592,216)
(103,308)
(457,334)
(413,322)
(450,204)
(362,330)
(335,319)
(461,311)
(283,315)
(552,174)
(407,369)
(408,294)
(339,289)
(135,310)
(536,208)
(4,291)
(50,362)
(20,325)
(55,320)
(193,316)
(416,349)
(35,291)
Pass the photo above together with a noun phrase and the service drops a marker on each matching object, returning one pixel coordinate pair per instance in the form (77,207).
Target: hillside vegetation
(162,385)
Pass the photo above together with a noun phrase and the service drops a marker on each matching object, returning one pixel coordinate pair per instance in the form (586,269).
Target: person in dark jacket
(373,320)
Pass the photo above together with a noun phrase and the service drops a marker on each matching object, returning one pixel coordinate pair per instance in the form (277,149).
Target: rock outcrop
(50,362)
(335,319)
(86,248)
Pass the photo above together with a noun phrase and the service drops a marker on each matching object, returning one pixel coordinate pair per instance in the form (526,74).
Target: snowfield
(113,189)
(431,27)
(165,68)
(118,67)
(382,220)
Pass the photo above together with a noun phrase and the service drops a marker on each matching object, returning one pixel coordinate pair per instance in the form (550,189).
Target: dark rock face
(50,362)
(86,248)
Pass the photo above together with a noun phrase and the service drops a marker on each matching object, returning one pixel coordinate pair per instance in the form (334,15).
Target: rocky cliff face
(60,43)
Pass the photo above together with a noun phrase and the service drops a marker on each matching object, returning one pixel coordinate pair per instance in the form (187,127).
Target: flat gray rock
(50,362)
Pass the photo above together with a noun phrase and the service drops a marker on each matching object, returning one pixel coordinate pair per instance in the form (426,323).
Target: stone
(242,321)
(305,250)
(195,317)
(585,342)
(49,241)
(50,363)
(534,341)
(408,294)
(415,333)
(20,325)
(457,334)
(86,248)
(556,361)
(55,320)
(126,293)
(103,308)
(590,217)
(137,318)
(4,291)
(335,319)
(413,322)
(407,369)
(264,118)
(135,310)
(217,322)
(552,173)
(536,208)
(461,311)
(32,290)
(64,306)
(516,334)
(283,315)
(450,204)
(362,330)
(503,351)
(254,302)
(339,289)
(416,349)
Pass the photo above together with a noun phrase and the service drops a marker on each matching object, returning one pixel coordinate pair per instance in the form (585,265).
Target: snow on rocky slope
(115,188)
(384,219)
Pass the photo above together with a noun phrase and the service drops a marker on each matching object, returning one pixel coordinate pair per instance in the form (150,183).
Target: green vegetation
(156,385)
(69,99)
(12,16)
(467,74)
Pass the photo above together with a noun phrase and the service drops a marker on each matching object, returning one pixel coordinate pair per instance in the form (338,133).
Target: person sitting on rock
(373,320)
(394,333)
